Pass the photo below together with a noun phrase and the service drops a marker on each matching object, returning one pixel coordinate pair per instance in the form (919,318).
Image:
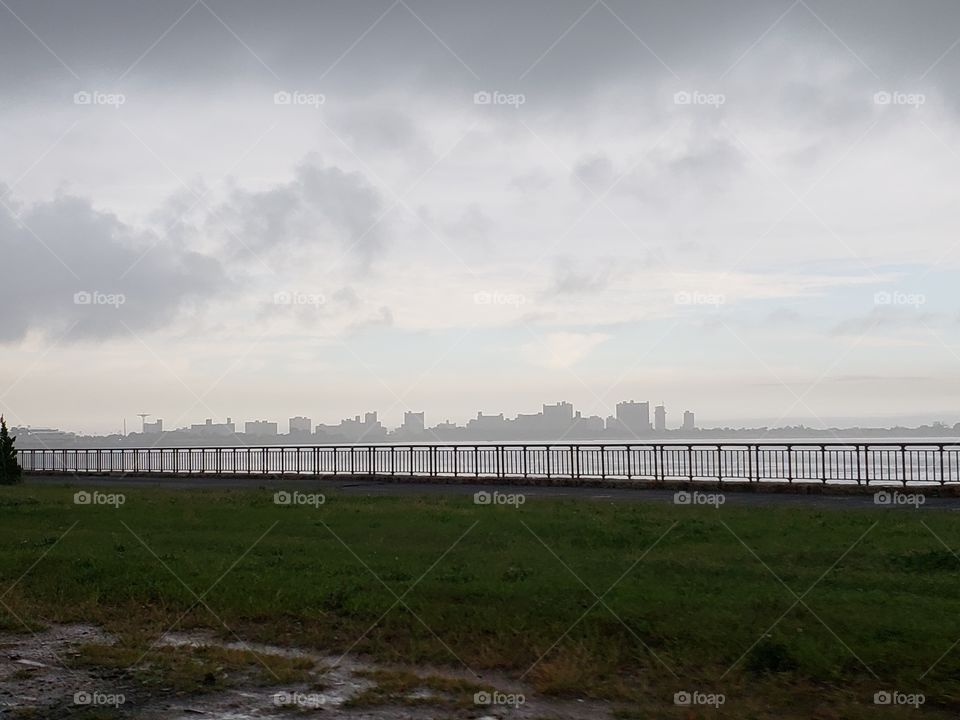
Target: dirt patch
(35,670)
(41,676)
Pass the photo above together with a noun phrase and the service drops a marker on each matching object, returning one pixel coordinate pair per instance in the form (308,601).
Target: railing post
(719,463)
(940,463)
(573,461)
(903,463)
(789,463)
(690,462)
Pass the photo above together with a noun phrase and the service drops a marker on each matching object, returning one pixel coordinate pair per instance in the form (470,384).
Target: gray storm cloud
(321,206)
(500,42)
(69,269)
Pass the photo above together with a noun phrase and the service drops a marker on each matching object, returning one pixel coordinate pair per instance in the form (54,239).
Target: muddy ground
(40,677)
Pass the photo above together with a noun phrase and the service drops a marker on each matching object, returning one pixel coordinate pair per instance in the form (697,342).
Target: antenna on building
(143,421)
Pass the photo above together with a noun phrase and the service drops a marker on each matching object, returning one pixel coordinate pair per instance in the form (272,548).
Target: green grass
(685,602)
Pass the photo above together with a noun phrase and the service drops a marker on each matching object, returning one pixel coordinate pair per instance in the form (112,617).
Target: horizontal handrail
(835,462)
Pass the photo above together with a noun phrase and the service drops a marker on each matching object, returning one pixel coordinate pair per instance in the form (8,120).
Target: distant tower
(143,420)
(660,418)
(688,421)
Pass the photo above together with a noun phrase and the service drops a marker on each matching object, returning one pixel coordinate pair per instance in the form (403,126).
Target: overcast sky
(265,209)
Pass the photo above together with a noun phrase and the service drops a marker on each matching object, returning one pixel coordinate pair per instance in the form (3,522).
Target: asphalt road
(532,493)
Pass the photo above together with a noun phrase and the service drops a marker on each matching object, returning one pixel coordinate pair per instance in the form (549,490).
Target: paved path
(460,488)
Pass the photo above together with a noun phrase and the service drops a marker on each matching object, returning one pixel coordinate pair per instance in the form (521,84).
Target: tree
(10,472)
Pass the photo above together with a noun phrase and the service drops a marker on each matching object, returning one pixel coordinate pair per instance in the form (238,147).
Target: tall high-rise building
(660,418)
(557,418)
(300,425)
(688,420)
(634,416)
(413,422)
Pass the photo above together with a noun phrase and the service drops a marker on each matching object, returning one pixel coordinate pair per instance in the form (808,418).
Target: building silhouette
(413,422)
(300,426)
(370,429)
(660,419)
(212,429)
(634,417)
(260,428)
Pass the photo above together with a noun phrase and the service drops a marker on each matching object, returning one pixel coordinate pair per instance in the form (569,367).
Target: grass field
(787,612)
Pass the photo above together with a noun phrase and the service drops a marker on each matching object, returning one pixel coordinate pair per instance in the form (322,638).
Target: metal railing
(859,463)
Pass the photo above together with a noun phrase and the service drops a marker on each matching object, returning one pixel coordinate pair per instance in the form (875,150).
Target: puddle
(33,676)
(32,667)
